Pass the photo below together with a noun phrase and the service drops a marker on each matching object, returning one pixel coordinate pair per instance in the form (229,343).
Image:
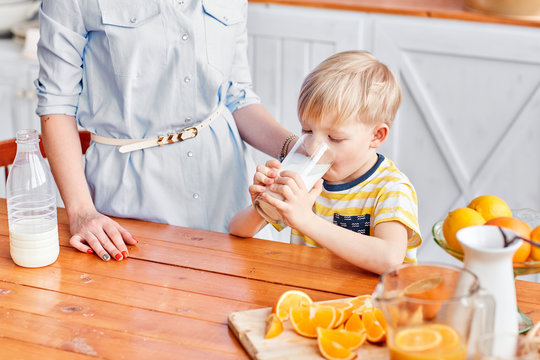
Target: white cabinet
(17,94)
(470,119)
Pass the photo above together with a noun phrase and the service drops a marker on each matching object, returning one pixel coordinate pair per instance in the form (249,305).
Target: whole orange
(535,236)
(457,220)
(490,206)
(521,228)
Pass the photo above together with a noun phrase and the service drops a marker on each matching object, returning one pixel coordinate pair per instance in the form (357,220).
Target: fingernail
(118,256)
(90,251)
(106,257)
(135,239)
(125,254)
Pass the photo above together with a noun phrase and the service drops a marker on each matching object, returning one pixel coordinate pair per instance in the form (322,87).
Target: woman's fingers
(94,243)
(77,242)
(107,244)
(112,232)
(126,235)
(101,235)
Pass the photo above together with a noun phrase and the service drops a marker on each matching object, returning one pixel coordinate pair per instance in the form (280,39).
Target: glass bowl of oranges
(528,264)
(525,222)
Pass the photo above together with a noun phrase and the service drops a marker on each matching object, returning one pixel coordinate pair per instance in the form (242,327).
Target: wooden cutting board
(249,327)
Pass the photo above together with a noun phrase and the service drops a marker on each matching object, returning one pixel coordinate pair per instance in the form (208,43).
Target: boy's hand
(264,176)
(297,205)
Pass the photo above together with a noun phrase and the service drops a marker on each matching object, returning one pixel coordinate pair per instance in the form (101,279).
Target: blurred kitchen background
(469,123)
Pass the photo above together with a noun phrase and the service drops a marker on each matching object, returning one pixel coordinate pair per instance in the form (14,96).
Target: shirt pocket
(223,22)
(136,35)
(357,223)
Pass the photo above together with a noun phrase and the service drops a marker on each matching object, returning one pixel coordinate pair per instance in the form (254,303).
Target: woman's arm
(259,129)
(87,225)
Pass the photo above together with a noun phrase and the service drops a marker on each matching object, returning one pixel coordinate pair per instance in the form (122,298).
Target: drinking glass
(311,158)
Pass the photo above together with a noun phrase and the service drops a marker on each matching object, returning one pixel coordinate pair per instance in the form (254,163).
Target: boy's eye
(334,139)
(304,131)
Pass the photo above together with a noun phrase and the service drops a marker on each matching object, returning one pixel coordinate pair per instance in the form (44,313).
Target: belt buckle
(187,133)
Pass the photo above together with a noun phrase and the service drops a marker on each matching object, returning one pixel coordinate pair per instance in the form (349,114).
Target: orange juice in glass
(429,309)
(428,342)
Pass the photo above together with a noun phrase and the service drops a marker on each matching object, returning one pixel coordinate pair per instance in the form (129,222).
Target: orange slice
(343,308)
(305,319)
(289,299)
(331,350)
(339,344)
(274,326)
(361,303)
(450,337)
(417,339)
(355,323)
(375,325)
(429,288)
(351,340)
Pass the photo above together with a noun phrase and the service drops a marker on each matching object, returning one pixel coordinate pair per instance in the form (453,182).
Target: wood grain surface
(170,299)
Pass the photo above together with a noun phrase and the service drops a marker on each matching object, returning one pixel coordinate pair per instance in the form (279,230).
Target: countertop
(443,9)
(170,299)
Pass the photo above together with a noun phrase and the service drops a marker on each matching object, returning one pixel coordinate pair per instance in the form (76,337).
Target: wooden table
(169,300)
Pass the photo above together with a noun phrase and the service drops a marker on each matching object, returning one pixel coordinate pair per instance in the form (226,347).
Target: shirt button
(180,2)
(188,119)
(133,20)
(187,79)
(185,37)
(195,196)
(190,154)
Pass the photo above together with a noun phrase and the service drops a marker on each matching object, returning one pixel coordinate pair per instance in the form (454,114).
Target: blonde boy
(366,209)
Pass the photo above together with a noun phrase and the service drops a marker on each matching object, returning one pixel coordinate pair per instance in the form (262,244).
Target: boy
(366,209)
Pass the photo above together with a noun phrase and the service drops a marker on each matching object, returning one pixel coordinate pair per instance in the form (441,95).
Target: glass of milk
(311,158)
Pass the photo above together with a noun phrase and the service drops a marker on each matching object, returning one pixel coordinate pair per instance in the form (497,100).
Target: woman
(135,73)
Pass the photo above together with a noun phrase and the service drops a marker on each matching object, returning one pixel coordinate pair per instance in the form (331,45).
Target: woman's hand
(95,232)
(264,176)
(297,204)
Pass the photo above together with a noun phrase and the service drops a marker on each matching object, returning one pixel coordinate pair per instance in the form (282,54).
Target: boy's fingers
(317,189)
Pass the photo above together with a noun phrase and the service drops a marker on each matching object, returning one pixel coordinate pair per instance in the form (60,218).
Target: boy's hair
(350,85)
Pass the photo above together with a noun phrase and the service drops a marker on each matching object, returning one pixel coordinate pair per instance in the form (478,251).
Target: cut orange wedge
(361,303)
(355,323)
(375,325)
(430,288)
(289,299)
(343,308)
(331,350)
(351,340)
(305,319)
(274,326)
(339,344)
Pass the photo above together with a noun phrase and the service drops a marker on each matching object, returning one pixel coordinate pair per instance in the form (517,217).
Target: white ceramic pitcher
(488,255)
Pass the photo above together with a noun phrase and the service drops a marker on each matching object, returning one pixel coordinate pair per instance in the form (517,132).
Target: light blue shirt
(143,68)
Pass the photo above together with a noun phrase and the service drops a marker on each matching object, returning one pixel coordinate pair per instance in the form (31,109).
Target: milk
(34,242)
(308,170)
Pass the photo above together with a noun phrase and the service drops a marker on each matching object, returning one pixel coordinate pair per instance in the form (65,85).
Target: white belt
(127,145)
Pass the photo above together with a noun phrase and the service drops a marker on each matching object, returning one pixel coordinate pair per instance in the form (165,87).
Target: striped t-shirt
(382,194)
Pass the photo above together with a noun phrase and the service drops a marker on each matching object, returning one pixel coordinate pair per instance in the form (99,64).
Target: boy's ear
(380,133)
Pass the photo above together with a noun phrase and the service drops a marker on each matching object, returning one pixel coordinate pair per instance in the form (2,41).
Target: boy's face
(352,143)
